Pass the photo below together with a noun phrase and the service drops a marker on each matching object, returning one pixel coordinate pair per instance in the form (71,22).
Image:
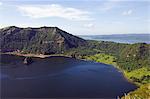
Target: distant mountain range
(44,40)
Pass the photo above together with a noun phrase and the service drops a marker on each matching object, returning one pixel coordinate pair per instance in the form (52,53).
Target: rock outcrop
(27,60)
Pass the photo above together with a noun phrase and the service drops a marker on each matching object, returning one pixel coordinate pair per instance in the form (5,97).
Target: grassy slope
(138,75)
(102,58)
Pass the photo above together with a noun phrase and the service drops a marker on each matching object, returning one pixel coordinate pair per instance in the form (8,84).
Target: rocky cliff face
(43,40)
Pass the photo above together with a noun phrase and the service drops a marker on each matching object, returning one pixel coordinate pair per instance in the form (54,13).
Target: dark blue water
(120,38)
(58,77)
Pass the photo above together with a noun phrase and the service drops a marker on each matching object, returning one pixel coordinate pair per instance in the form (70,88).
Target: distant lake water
(120,38)
(58,77)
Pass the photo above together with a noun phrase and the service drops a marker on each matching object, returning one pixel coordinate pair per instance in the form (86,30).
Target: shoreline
(46,56)
(123,74)
(33,55)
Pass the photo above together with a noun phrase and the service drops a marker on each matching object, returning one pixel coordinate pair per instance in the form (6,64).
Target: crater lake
(59,77)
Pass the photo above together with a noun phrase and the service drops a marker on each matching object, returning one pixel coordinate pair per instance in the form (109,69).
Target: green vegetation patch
(141,93)
(102,58)
(140,76)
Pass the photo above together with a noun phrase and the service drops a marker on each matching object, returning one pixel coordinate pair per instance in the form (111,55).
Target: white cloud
(126,13)
(54,10)
(89,25)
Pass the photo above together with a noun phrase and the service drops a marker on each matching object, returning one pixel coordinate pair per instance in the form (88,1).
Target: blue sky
(79,17)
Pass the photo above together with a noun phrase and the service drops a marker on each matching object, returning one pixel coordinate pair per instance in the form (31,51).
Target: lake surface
(60,77)
(120,38)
